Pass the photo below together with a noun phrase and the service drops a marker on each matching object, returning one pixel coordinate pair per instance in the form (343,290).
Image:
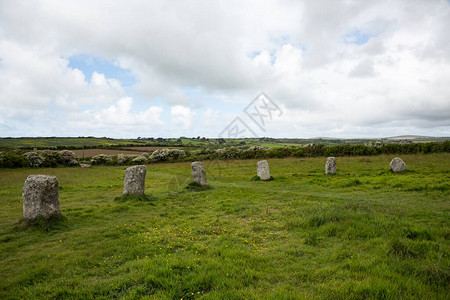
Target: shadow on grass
(389,171)
(55,222)
(256,178)
(350,183)
(136,198)
(197,187)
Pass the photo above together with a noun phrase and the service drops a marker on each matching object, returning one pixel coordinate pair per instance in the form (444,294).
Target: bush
(314,150)
(51,158)
(139,160)
(196,152)
(166,154)
(176,153)
(228,153)
(34,159)
(101,159)
(123,159)
(279,152)
(45,158)
(160,155)
(12,160)
(68,158)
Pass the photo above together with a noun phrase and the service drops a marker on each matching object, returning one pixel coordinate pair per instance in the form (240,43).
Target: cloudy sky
(189,68)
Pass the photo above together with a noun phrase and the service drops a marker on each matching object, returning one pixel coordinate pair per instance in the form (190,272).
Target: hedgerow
(48,158)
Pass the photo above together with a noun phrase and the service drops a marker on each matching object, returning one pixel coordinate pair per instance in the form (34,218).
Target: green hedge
(46,158)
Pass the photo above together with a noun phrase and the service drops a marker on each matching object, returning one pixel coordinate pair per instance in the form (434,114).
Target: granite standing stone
(198,172)
(397,165)
(330,166)
(262,170)
(134,181)
(40,197)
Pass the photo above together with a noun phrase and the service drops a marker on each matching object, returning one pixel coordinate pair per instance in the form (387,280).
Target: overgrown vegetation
(38,159)
(362,233)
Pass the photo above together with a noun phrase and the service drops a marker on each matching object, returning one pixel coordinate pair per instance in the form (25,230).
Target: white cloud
(122,116)
(182,116)
(355,66)
(117,120)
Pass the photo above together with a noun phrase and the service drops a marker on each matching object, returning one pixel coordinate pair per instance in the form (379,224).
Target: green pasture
(364,233)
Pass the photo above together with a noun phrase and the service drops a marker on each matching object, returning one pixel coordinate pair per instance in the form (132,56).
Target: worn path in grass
(362,233)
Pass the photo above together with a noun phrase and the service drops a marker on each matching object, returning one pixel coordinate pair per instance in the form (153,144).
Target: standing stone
(330,166)
(397,165)
(40,197)
(262,170)
(134,181)
(198,172)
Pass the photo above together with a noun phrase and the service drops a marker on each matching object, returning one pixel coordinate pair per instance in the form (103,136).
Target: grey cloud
(363,69)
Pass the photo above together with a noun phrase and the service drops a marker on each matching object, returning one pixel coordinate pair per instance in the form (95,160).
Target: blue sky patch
(89,64)
(357,37)
(272,55)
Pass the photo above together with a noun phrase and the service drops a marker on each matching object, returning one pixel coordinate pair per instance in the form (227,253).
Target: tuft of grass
(312,239)
(418,234)
(352,182)
(401,248)
(436,273)
(197,187)
(324,216)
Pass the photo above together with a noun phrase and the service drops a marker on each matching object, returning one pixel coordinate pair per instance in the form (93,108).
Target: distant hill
(419,138)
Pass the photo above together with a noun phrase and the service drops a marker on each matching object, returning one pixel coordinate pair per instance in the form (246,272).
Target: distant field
(92,152)
(364,233)
(138,150)
(54,142)
(265,142)
(145,149)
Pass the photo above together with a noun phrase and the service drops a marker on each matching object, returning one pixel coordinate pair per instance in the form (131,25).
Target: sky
(297,69)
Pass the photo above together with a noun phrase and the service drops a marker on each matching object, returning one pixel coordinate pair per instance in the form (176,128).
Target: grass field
(42,142)
(54,142)
(93,152)
(362,233)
